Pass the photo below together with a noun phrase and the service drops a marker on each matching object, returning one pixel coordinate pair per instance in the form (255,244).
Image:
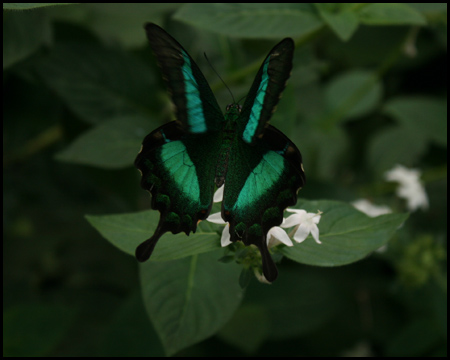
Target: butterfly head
(234,108)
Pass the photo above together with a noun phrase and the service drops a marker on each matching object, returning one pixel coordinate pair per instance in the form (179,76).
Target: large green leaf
(130,16)
(395,145)
(352,94)
(252,20)
(347,235)
(127,231)
(27,6)
(111,145)
(426,116)
(98,83)
(23,33)
(340,17)
(189,299)
(391,14)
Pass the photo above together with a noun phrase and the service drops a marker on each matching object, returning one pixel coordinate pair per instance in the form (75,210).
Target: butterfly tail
(145,249)
(270,270)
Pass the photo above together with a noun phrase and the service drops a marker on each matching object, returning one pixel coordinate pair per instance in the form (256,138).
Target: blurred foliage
(81,90)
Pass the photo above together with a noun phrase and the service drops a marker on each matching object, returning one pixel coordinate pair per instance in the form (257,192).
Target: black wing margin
(195,105)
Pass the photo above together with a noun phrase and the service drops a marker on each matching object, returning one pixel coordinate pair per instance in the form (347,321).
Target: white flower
(275,235)
(260,276)
(305,223)
(370,209)
(218,195)
(402,175)
(410,187)
(225,238)
(216,218)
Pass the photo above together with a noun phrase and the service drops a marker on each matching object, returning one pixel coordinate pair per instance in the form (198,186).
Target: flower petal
(290,221)
(370,209)
(225,239)
(277,235)
(315,234)
(316,218)
(297,211)
(216,218)
(261,278)
(402,174)
(302,233)
(218,195)
(410,186)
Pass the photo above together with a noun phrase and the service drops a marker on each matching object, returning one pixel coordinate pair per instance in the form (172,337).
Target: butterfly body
(184,161)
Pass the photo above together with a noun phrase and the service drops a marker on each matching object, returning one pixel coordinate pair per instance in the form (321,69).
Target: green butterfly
(183,162)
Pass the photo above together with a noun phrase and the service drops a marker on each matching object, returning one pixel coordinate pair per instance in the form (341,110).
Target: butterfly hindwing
(181,182)
(195,105)
(267,177)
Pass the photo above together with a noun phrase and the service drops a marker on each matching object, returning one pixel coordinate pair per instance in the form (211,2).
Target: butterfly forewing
(195,105)
(266,90)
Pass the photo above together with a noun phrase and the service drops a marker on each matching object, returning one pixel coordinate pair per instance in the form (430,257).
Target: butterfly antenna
(212,67)
(242,98)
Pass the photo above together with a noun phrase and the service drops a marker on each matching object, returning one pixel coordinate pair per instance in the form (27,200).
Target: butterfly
(184,161)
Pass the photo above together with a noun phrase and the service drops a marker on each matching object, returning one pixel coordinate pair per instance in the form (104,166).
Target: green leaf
(395,145)
(96,83)
(248,20)
(430,9)
(425,116)
(347,235)
(131,17)
(110,145)
(27,6)
(352,94)
(340,18)
(189,299)
(23,34)
(391,14)
(127,231)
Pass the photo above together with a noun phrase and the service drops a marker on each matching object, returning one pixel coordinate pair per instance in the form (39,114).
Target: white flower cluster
(370,209)
(304,223)
(410,187)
